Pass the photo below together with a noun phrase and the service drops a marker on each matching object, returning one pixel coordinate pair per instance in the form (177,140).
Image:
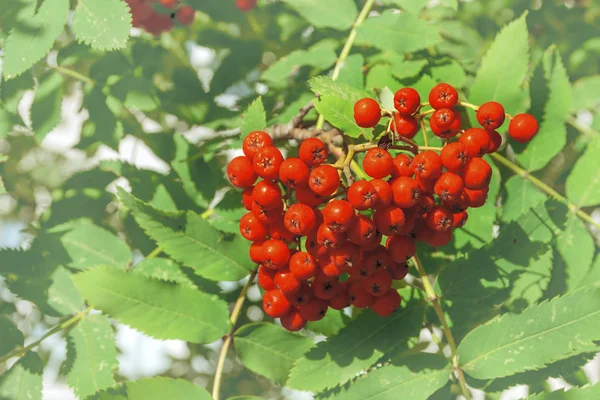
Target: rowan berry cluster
(147,14)
(245,5)
(321,244)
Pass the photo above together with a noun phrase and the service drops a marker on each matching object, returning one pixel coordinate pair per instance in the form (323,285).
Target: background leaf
(254,119)
(583,183)
(103,25)
(325,14)
(23,380)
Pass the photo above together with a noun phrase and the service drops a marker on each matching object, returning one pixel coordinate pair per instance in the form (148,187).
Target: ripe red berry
(406,192)
(255,252)
(265,216)
(427,165)
(287,282)
(424,206)
(367,113)
(443,95)
(398,271)
(401,248)
(495,141)
(460,219)
(339,215)
(266,278)
(277,230)
(254,142)
(384,193)
(340,301)
(377,259)
(325,287)
(476,141)
(401,166)
(240,172)
(186,15)
(313,152)
(425,185)
(449,186)
(345,256)
(477,174)
(362,195)
(267,162)
(385,305)
(293,173)
(314,310)
(302,296)
(363,231)
(446,132)
(476,198)
(421,233)
(405,125)
(362,270)
(329,268)
(276,254)
(377,163)
(293,321)
(407,101)
(440,219)
(247,198)
(523,127)
(324,180)
(454,156)
(313,247)
(440,238)
(300,219)
(267,195)
(329,238)
(443,118)
(275,304)
(390,220)
(308,197)
(303,265)
(245,5)
(491,115)
(378,283)
(252,229)
(359,296)
(169,3)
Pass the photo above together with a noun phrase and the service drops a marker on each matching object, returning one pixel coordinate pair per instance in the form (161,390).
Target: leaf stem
(74,74)
(544,187)
(571,120)
(154,253)
(68,323)
(424,129)
(346,49)
(235,313)
(433,298)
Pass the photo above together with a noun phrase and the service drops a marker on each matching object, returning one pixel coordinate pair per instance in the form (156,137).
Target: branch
(235,313)
(433,298)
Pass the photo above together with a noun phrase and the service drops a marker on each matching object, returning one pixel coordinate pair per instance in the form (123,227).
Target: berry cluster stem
(346,49)
(433,298)
(63,326)
(235,314)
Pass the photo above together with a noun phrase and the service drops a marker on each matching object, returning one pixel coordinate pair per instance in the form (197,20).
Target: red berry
(454,156)
(329,268)
(345,256)
(293,321)
(425,185)
(308,197)
(169,3)
(377,259)
(407,101)
(314,310)
(367,113)
(449,131)
(385,305)
(240,172)
(293,172)
(359,296)
(449,186)
(300,219)
(401,248)
(377,163)
(443,96)
(324,180)
(460,219)
(247,198)
(476,141)
(491,115)
(406,192)
(443,118)
(523,127)
(363,231)
(276,254)
(275,304)
(267,195)
(313,247)
(477,174)
(267,162)
(440,239)
(427,165)
(277,230)
(424,206)
(378,283)
(362,195)
(401,166)
(384,193)
(389,221)
(252,229)
(421,233)
(340,301)
(329,238)
(398,271)
(266,278)
(245,5)
(362,270)
(476,198)
(256,254)
(339,215)
(325,287)
(302,296)
(303,265)
(186,15)
(495,141)
(313,152)
(405,125)
(254,142)
(440,219)
(265,216)
(287,282)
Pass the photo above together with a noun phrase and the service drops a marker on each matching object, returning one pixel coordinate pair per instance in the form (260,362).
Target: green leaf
(380,76)
(583,183)
(190,240)
(11,336)
(194,172)
(339,112)
(325,86)
(585,93)
(163,388)
(62,294)
(402,33)
(591,391)
(593,276)
(415,377)
(270,350)
(164,269)
(160,309)
(33,36)
(104,25)
(320,56)
(47,104)
(449,72)
(411,6)
(89,245)
(162,200)
(552,136)
(356,347)
(331,324)
(228,220)
(550,331)
(326,14)
(95,356)
(137,93)
(504,69)
(351,71)
(23,380)
(408,68)
(522,196)
(576,247)
(254,119)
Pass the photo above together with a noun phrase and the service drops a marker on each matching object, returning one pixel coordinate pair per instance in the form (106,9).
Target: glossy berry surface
(367,113)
